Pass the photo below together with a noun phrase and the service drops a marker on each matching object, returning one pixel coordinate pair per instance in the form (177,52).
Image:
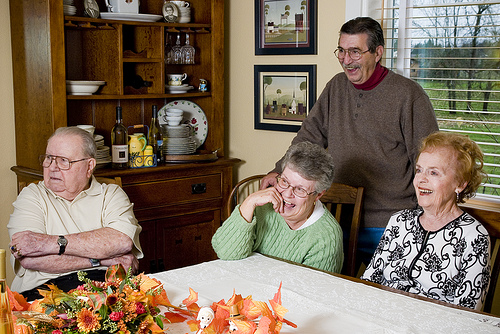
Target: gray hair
(88,144)
(312,162)
(365,25)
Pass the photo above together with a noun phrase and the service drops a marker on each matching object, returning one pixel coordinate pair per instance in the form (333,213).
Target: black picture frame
(273,39)
(283,96)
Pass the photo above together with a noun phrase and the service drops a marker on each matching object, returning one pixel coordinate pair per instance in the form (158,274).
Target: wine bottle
(137,82)
(155,136)
(6,324)
(119,142)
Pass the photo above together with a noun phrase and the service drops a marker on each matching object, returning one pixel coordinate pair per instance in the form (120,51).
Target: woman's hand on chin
(259,198)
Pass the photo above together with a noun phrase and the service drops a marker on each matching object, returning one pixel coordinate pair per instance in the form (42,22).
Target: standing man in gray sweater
(372,121)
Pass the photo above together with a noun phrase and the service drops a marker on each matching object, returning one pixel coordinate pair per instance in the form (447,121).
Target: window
(452,49)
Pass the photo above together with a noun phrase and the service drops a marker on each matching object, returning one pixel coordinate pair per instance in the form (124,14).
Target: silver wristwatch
(95,262)
(62,242)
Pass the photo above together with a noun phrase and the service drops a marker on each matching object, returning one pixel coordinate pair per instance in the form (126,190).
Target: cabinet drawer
(167,192)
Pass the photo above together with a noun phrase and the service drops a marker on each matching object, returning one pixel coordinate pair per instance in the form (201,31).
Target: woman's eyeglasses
(297,191)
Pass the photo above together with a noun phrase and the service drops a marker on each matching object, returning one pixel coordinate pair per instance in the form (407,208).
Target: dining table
(319,301)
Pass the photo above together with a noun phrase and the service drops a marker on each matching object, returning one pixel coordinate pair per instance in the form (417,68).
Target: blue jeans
(368,240)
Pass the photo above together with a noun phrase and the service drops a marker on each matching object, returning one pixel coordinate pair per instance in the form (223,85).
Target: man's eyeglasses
(61,162)
(299,192)
(354,54)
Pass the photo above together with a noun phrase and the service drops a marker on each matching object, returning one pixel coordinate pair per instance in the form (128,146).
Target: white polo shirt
(40,210)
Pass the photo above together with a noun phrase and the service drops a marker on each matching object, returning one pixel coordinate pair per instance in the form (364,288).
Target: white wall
(8,189)
(260,149)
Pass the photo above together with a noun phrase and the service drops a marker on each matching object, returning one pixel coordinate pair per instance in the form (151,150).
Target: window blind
(452,49)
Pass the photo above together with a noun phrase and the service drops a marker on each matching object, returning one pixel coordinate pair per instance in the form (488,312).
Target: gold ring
(19,253)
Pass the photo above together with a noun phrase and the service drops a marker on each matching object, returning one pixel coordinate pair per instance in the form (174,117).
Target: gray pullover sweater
(374,137)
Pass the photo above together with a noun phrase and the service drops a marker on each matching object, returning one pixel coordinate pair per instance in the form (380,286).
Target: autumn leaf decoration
(254,317)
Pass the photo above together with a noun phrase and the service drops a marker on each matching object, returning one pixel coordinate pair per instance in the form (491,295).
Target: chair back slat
(338,211)
(342,198)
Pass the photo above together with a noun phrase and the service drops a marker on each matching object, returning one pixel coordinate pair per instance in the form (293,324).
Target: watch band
(95,262)
(62,242)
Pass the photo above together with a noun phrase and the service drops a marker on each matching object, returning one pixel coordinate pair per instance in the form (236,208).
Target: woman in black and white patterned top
(437,250)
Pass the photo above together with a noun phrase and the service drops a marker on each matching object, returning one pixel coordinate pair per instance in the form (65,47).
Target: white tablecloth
(318,302)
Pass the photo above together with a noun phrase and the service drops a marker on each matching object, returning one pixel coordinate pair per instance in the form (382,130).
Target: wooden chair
(345,204)
(107,180)
(116,180)
(241,190)
(491,221)
(343,201)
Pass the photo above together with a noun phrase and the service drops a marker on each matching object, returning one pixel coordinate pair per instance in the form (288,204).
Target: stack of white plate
(68,7)
(180,131)
(103,156)
(99,140)
(178,140)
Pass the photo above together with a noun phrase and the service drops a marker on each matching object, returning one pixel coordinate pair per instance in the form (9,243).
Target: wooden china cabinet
(179,205)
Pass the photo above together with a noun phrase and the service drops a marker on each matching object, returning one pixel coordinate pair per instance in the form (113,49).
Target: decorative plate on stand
(193,115)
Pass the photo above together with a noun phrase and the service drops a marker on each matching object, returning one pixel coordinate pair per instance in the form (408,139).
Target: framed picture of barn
(285,27)
(283,96)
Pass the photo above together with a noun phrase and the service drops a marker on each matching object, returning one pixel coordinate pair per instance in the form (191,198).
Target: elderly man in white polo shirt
(70,222)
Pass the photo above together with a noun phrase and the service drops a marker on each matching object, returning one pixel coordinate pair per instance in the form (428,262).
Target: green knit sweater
(318,245)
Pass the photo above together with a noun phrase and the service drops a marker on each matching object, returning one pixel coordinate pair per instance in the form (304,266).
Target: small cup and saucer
(175,83)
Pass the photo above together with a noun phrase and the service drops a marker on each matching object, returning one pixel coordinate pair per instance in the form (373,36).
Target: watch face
(62,241)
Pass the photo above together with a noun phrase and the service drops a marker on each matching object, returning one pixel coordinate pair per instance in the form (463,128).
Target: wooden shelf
(141,96)
(86,22)
(142,60)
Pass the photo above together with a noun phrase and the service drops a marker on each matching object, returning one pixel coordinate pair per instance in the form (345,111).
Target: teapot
(123,6)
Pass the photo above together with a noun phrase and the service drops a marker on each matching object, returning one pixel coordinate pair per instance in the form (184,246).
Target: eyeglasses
(299,192)
(61,162)
(354,54)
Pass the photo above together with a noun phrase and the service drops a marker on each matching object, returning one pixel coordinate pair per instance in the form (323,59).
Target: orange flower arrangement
(122,304)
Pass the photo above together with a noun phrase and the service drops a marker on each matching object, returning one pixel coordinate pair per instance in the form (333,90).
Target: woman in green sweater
(288,220)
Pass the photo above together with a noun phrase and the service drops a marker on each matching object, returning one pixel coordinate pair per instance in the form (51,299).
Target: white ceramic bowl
(82,87)
(174,112)
(89,128)
(174,120)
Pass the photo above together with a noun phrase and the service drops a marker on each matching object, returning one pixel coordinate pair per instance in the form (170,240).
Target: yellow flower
(53,296)
(87,321)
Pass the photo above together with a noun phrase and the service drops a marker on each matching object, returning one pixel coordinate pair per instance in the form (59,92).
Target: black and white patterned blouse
(451,264)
